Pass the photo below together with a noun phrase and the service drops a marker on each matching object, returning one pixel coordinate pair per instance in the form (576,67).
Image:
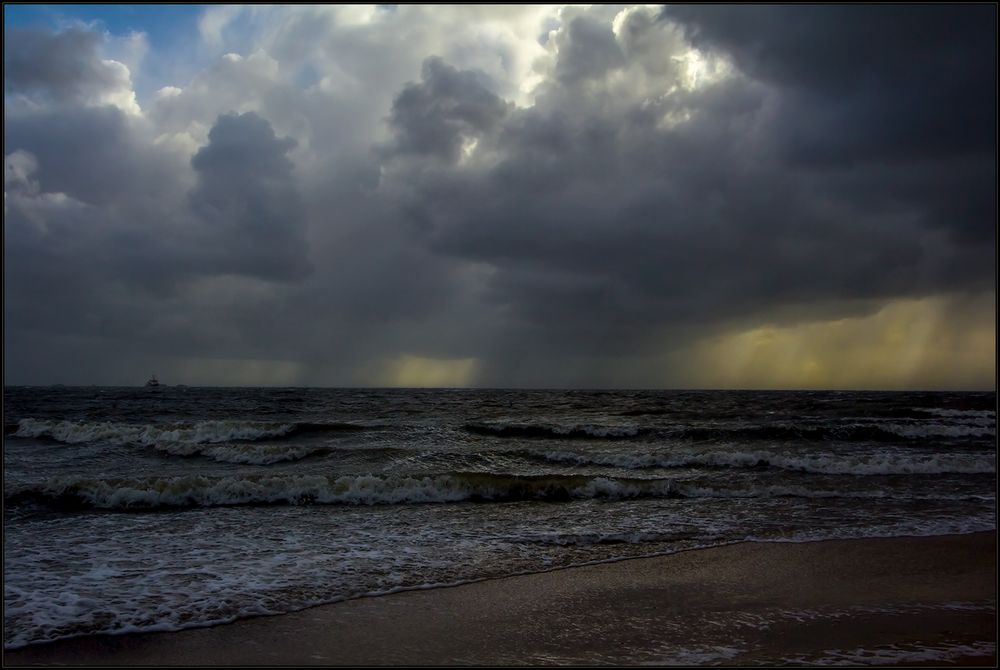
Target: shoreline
(909,600)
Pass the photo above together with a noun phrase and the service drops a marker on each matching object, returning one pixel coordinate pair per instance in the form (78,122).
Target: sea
(153,509)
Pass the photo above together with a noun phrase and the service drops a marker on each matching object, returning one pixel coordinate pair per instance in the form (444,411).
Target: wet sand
(910,601)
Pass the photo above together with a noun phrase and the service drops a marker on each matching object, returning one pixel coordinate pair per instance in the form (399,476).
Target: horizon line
(521,388)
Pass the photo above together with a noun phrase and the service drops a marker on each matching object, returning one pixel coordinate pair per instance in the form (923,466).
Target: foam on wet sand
(909,601)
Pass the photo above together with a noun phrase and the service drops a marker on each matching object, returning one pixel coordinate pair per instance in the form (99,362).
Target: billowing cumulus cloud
(250,214)
(433,118)
(529,195)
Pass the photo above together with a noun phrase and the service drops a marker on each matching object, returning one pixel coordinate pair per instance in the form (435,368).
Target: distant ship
(152,382)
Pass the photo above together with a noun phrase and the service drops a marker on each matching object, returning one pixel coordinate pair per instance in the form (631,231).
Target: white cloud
(122,96)
(215,20)
(168,92)
(130,49)
(18,169)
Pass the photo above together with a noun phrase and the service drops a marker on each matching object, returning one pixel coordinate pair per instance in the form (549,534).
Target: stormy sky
(521,196)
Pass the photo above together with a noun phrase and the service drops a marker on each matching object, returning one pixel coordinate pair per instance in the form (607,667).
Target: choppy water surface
(133,509)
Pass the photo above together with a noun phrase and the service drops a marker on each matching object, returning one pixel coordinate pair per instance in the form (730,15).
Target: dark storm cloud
(811,180)
(432,117)
(587,51)
(61,66)
(115,245)
(95,194)
(244,216)
(252,214)
(864,82)
(73,270)
(104,240)
(909,94)
(89,153)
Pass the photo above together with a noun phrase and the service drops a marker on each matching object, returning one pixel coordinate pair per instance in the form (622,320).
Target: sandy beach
(910,601)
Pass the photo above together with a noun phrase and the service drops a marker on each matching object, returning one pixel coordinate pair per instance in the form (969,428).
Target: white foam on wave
(939,430)
(201,432)
(901,654)
(775,491)
(598,431)
(245,454)
(558,429)
(884,463)
(561,539)
(975,523)
(200,491)
(966,414)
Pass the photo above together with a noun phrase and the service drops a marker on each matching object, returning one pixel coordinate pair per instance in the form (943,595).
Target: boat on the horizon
(153,382)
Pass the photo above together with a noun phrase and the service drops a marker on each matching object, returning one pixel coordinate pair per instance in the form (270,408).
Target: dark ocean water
(129,509)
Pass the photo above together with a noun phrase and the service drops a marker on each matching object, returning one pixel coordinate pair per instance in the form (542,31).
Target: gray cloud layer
(323,211)
(61,67)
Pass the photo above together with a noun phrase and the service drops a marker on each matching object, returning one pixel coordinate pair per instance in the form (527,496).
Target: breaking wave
(560,539)
(854,432)
(197,491)
(75,493)
(241,453)
(850,432)
(971,415)
(982,429)
(550,431)
(200,432)
(831,464)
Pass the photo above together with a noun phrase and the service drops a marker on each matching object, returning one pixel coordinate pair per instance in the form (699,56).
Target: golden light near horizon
(935,342)
(409,371)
